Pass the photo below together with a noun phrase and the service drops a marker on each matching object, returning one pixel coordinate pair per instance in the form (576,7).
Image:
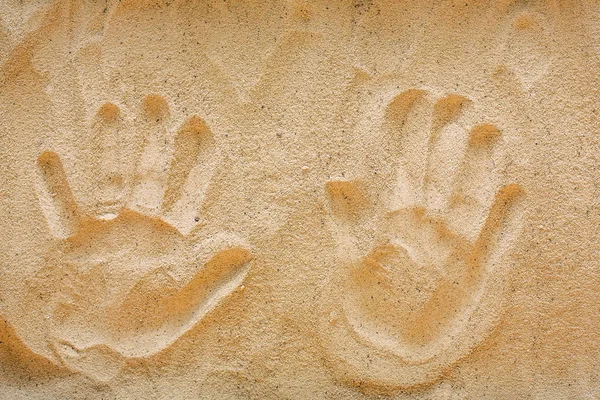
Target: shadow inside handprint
(424,272)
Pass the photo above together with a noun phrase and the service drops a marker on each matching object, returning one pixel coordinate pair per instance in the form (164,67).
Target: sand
(299,200)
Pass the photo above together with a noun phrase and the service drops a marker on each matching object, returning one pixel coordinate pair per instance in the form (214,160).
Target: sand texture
(299,199)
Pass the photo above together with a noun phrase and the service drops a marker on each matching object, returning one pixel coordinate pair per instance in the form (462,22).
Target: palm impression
(127,276)
(422,271)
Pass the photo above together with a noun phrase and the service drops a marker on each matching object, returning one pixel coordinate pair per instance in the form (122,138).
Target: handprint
(420,275)
(128,276)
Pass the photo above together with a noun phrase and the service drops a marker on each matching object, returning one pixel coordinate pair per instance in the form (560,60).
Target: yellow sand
(299,200)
